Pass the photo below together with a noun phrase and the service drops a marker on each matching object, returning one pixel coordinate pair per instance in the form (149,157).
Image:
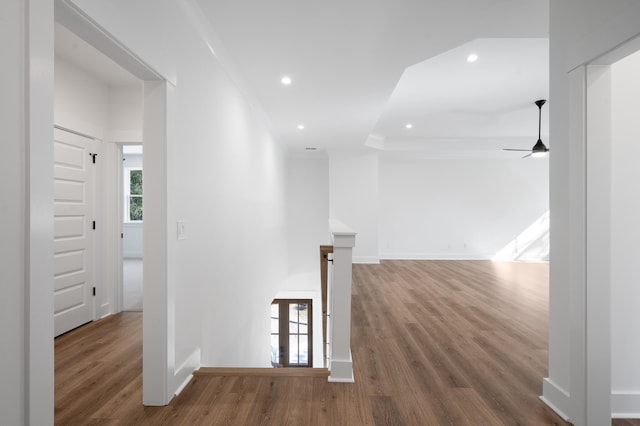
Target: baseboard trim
(625,405)
(104,310)
(185,371)
(556,398)
(341,370)
(436,256)
(183,385)
(265,372)
(342,379)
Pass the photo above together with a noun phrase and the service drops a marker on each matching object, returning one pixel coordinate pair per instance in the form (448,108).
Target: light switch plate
(181,232)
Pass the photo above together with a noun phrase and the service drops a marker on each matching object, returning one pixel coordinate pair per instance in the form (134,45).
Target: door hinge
(94,291)
(93,157)
(94,225)
(121,235)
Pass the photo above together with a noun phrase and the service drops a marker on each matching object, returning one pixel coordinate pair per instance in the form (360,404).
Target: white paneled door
(73,230)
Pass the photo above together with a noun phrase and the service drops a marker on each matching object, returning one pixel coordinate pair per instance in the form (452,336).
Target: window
(133,194)
(291,333)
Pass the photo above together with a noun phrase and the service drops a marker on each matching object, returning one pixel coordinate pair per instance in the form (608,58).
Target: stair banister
(339,347)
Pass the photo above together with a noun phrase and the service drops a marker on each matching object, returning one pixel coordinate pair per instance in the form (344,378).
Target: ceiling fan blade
(539,149)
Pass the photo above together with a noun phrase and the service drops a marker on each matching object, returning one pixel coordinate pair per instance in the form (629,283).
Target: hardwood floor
(434,343)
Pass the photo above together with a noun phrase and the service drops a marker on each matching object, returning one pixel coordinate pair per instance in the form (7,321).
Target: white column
(598,246)
(340,362)
(39,214)
(155,314)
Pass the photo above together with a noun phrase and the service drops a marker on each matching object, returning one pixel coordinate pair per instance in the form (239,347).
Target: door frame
(157,101)
(590,128)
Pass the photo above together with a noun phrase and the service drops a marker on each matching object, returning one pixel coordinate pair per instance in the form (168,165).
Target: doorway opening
(152,92)
(132,227)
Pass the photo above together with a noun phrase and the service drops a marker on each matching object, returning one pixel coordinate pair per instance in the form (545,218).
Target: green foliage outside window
(136,182)
(135,208)
(135,198)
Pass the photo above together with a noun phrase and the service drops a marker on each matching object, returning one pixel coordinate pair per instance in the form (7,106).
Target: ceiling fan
(539,149)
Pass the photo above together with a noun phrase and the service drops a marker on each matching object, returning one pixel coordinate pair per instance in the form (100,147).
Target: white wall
(559,207)
(353,199)
(625,228)
(225,174)
(125,114)
(81,102)
(132,240)
(403,206)
(233,260)
(307,229)
(307,211)
(457,209)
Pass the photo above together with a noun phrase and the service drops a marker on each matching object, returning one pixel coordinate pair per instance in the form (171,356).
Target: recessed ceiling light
(472,57)
(286,80)
(300,126)
(409,126)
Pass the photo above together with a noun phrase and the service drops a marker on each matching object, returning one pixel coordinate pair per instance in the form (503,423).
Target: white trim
(577,257)
(184,372)
(625,405)
(339,304)
(37,32)
(104,310)
(556,398)
(73,17)
(341,234)
(114,239)
(598,245)
(606,39)
(342,370)
(183,385)
(437,256)
(158,338)
(75,132)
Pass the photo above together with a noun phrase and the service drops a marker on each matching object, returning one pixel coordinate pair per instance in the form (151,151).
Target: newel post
(340,362)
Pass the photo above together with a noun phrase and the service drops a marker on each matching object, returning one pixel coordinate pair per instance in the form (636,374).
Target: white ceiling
(362,69)
(456,105)
(346,58)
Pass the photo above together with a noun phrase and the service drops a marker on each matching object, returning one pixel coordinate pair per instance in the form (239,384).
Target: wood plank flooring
(434,343)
